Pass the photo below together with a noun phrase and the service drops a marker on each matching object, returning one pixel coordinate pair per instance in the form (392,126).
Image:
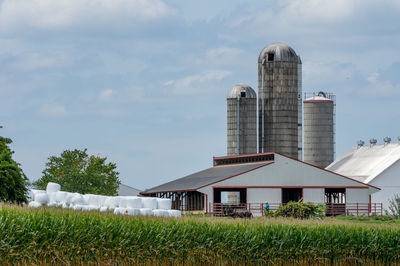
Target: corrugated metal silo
(279,100)
(319,133)
(242,122)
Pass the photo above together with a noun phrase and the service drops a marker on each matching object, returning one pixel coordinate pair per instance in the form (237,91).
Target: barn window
(271,57)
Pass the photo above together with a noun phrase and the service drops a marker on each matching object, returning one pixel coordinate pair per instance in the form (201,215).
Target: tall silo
(279,100)
(319,132)
(242,122)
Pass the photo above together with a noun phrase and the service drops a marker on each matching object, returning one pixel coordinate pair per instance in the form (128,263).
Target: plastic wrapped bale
(134,202)
(164,204)
(103,209)
(123,202)
(174,213)
(52,198)
(30,196)
(69,197)
(118,210)
(42,198)
(61,196)
(52,187)
(77,199)
(146,212)
(77,207)
(86,199)
(111,202)
(52,204)
(150,203)
(160,213)
(97,200)
(90,208)
(34,204)
(65,205)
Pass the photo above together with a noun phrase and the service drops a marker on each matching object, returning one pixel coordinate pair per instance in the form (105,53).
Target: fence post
(357,208)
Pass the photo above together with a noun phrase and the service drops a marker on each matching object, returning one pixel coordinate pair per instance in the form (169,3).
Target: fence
(332,209)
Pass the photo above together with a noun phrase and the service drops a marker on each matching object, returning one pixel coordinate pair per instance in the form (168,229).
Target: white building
(271,177)
(124,190)
(377,165)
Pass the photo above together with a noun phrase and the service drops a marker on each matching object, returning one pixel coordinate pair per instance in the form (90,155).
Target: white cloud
(53,110)
(49,14)
(197,84)
(36,61)
(106,95)
(373,77)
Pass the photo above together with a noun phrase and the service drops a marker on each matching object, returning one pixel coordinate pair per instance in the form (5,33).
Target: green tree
(13,182)
(76,171)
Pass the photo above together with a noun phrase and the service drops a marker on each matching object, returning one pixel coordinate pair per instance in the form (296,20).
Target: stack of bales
(128,205)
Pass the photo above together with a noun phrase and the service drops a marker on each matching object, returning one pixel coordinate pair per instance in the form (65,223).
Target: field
(57,236)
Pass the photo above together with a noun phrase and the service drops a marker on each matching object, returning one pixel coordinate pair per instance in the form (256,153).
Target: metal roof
(318,98)
(281,52)
(366,162)
(206,177)
(236,90)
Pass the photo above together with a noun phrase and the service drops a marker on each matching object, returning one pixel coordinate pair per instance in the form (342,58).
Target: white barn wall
(288,172)
(389,183)
(354,195)
(316,195)
(261,195)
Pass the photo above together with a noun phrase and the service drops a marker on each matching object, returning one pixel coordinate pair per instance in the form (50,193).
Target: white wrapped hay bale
(86,198)
(34,204)
(111,202)
(174,213)
(103,209)
(52,197)
(52,187)
(77,207)
(145,212)
(164,204)
(123,202)
(134,202)
(69,197)
(150,203)
(77,199)
(42,198)
(118,210)
(61,196)
(161,213)
(52,204)
(30,196)
(65,205)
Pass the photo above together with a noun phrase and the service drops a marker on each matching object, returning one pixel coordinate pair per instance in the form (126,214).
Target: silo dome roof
(241,90)
(279,52)
(320,97)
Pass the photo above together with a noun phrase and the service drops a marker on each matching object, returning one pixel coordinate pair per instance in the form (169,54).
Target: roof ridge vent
(386,140)
(360,143)
(373,141)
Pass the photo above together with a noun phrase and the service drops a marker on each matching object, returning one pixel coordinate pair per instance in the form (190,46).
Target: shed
(257,178)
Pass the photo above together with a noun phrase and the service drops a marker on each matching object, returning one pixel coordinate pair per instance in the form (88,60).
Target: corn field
(54,236)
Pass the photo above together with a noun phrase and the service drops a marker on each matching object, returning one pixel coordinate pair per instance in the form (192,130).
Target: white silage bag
(111,202)
(77,199)
(34,204)
(174,213)
(123,202)
(134,202)
(150,203)
(52,204)
(52,187)
(77,207)
(86,199)
(69,197)
(103,209)
(118,210)
(52,197)
(146,212)
(164,204)
(42,198)
(161,213)
(61,196)
(31,195)
(65,205)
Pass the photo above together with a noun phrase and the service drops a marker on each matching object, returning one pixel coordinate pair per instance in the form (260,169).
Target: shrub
(394,206)
(301,210)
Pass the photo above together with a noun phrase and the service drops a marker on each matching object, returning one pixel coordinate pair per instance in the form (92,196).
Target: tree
(76,171)
(394,206)
(13,182)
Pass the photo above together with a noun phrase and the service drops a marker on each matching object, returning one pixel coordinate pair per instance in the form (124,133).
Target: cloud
(50,14)
(106,95)
(54,110)
(34,61)
(197,84)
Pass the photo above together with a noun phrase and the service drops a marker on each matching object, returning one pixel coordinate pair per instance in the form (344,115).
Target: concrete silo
(319,134)
(242,123)
(279,100)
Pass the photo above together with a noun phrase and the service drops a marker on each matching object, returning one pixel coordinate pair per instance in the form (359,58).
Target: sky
(144,82)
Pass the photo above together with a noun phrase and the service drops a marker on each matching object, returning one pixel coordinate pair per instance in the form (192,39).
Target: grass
(57,236)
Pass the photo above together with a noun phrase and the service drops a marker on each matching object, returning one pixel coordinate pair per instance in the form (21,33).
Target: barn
(377,165)
(247,181)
